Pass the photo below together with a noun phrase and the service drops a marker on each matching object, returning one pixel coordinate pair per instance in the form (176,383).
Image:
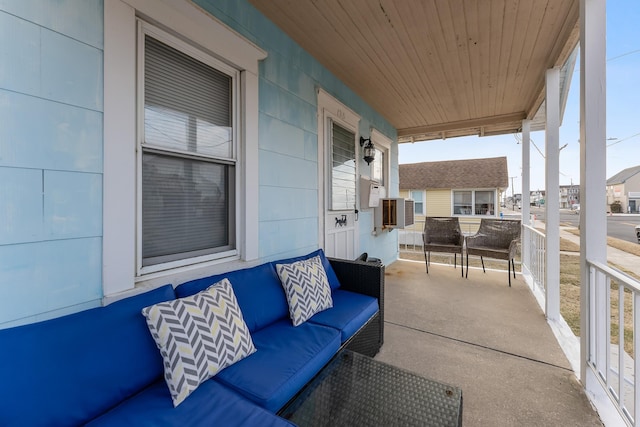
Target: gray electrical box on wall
(394,213)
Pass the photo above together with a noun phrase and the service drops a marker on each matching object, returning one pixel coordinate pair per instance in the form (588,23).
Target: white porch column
(593,220)
(526,172)
(552,195)
(526,192)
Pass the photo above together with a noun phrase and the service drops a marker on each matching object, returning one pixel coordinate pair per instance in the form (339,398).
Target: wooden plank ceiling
(437,68)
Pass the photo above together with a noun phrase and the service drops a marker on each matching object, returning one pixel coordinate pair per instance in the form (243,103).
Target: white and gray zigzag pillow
(307,288)
(198,336)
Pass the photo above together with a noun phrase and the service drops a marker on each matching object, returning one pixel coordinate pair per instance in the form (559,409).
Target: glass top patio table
(356,390)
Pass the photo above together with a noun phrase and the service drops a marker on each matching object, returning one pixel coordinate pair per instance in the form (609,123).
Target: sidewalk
(624,259)
(621,258)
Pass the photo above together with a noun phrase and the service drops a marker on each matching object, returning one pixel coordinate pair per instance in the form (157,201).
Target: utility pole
(513,197)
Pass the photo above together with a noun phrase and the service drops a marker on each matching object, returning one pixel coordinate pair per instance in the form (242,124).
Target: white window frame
(423,201)
(144,29)
(383,143)
(473,202)
(189,23)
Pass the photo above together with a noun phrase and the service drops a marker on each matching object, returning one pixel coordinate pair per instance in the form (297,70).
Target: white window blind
(343,171)
(188,164)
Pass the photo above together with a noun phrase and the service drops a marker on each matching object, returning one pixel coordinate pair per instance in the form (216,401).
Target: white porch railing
(410,238)
(533,257)
(613,367)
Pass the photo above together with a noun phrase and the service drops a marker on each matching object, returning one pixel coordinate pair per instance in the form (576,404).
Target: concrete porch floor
(490,340)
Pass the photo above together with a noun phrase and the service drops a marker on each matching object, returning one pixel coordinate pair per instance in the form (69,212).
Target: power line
(623,139)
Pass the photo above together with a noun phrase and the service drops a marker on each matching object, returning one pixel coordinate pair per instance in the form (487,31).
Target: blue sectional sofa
(101,367)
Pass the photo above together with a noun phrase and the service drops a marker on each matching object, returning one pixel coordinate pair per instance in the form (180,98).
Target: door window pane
(343,171)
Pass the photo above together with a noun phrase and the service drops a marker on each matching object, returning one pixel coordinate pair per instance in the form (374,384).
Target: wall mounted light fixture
(369,150)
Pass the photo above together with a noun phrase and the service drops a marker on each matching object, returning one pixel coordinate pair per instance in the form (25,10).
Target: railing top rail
(534,230)
(619,276)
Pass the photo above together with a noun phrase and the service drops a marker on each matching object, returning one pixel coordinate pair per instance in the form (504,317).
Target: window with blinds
(188,157)
(343,170)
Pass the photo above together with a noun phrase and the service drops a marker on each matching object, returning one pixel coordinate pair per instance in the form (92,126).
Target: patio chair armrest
(513,247)
(477,240)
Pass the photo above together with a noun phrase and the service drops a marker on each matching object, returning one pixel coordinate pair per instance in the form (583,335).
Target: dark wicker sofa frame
(496,238)
(442,234)
(365,278)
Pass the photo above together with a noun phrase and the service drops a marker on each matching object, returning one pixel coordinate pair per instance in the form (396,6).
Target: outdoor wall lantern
(369,149)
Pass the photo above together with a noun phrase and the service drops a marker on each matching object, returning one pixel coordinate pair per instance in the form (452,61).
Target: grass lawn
(570,291)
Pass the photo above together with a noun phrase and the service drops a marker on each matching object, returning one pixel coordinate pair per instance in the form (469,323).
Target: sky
(623,116)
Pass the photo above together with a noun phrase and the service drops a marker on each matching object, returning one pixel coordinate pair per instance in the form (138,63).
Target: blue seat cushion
(334,283)
(287,358)
(212,404)
(349,313)
(69,370)
(257,289)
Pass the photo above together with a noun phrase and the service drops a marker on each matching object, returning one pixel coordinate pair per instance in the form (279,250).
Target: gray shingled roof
(473,173)
(622,176)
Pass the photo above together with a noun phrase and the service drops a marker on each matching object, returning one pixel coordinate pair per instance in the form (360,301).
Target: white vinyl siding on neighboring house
(439,203)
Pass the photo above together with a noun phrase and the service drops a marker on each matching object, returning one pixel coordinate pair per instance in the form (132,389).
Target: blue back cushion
(258,290)
(331,275)
(68,370)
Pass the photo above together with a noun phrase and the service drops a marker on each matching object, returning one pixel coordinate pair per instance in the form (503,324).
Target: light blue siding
(20,206)
(51,101)
(78,19)
(281,170)
(38,278)
(71,71)
(280,239)
(72,204)
(37,133)
(284,203)
(19,55)
(281,137)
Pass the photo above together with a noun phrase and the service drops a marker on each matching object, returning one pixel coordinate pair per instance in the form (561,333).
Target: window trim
(423,201)
(188,22)
(383,142)
(473,202)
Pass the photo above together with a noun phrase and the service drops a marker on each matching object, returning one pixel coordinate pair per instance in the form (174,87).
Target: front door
(338,178)
(341,216)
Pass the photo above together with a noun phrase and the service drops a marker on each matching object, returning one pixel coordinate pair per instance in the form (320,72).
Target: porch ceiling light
(369,149)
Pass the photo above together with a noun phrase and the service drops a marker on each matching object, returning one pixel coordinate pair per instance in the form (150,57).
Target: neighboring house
(569,196)
(470,189)
(624,188)
(152,142)
(537,197)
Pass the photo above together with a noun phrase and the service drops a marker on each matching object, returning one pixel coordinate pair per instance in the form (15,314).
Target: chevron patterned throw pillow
(198,336)
(307,288)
